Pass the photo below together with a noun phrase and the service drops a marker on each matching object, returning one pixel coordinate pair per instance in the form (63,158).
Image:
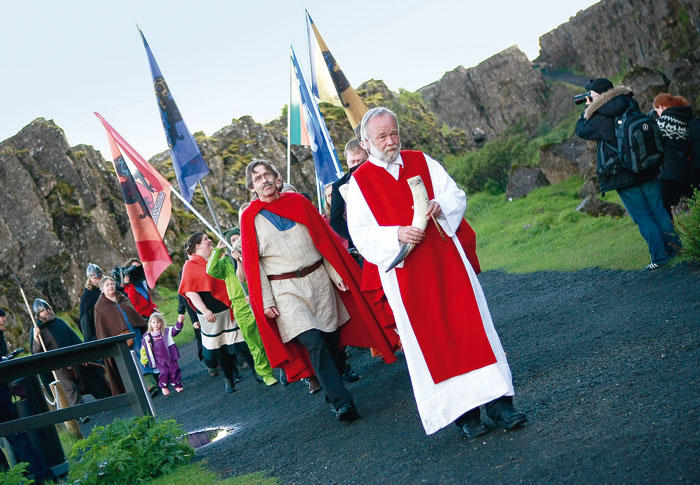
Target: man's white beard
(386,156)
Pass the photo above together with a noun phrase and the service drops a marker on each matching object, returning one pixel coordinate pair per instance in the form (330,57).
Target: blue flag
(188,162)
(325,158)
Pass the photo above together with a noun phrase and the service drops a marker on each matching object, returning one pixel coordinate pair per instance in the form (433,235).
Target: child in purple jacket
(160,351)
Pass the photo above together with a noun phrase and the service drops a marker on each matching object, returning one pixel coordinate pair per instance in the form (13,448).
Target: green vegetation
(543,231)
(557,134)
(488,168)
(138,450)
(688,226)
(15,475)
(129,451)
(198,474)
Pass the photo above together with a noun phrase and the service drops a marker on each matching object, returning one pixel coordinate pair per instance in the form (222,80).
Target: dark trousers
(325,358)
(244,355)
(671,192)
(227,362)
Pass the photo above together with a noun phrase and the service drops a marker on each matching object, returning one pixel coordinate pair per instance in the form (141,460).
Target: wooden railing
(34,365)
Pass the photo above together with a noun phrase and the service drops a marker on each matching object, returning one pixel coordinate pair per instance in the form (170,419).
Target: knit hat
(2,312)
(231,232)
(599,85)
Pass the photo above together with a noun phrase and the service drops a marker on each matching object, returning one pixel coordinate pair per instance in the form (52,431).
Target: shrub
(488,168)
(688,227)
(15,475)
(129,451)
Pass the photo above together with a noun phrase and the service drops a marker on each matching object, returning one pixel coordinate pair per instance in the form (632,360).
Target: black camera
(135,274)
(581,98)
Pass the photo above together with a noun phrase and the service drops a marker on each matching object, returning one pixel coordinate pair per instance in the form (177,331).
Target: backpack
(694,134)
(638,137)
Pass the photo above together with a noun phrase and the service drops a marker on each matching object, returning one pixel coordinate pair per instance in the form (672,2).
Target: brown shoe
(314,385)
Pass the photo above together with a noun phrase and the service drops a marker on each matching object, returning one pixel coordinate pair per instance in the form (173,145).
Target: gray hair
(251,166)
(104,281)
(373,113)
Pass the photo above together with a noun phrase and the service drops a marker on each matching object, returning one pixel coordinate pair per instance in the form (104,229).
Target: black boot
(502,413)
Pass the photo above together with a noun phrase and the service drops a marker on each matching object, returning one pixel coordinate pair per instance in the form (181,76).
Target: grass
(167,305)
(198,474)
(543,231)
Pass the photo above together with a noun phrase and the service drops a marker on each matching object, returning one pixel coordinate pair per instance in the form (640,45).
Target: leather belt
(300,273)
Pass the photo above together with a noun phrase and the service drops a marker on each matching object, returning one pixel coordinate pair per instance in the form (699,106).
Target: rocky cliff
(60,207)
(619,37)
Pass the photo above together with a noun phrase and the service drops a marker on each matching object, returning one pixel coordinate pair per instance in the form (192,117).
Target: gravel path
(605,364)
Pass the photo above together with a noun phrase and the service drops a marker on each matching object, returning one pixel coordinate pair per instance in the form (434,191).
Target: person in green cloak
(222,267)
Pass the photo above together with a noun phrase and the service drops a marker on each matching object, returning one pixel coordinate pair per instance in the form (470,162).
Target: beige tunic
(303,303)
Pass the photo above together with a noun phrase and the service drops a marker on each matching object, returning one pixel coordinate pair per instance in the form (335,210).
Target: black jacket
(87,313)
(673,124)
(598,123)
(338,221)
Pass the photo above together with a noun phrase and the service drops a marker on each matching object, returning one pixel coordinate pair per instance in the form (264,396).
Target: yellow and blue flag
(328,82)
(326,160)
(188,162)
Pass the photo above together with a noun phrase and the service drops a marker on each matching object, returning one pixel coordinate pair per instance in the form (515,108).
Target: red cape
(362,330)
(195,278)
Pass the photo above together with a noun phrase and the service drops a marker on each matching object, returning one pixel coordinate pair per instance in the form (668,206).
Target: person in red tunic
(304,289)
(454,355)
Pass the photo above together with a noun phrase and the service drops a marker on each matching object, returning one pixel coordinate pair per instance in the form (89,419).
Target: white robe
(438,404)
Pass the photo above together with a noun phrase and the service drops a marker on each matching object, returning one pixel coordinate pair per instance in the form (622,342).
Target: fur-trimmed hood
(604,98)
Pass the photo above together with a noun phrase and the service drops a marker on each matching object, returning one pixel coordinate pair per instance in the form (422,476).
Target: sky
(226,59)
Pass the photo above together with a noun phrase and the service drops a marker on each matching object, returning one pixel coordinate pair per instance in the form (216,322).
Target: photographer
(640,192)
(134,284)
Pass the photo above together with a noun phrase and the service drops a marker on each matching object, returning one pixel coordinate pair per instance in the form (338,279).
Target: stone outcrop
(524,180)
(60,207)
(496,95)
(595,207)
(615,37)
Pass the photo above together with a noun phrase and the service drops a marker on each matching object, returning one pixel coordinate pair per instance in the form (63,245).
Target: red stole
(434,284)
(195,278)
(361,330)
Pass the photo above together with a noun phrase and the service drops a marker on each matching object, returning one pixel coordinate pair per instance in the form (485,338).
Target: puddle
(203,437)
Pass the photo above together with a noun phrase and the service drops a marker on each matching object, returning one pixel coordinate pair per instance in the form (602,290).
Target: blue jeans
(646,208)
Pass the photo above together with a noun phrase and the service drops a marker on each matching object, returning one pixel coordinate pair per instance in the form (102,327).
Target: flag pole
(201,218)
(289,134)
(211,208)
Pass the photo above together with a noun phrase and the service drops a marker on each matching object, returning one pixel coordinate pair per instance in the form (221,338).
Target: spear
(72,425)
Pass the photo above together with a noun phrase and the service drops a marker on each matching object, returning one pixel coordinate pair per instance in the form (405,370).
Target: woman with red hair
(675,174)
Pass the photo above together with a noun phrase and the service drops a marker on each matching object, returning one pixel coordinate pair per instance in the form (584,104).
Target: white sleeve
(452,199)
(377,244)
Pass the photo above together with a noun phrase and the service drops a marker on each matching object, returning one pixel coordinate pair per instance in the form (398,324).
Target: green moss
(65,189)
(74,211)
(184,214)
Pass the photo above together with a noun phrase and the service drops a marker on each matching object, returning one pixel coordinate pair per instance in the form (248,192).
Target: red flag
(145,192)
(154,188)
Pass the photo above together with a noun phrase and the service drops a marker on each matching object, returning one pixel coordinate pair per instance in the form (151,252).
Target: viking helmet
(40,305)
(93,270)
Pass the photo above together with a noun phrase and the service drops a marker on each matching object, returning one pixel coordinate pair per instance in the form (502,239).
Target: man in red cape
(454,356)
(335,313)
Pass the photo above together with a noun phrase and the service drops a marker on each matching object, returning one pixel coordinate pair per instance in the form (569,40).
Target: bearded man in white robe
(454,356)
